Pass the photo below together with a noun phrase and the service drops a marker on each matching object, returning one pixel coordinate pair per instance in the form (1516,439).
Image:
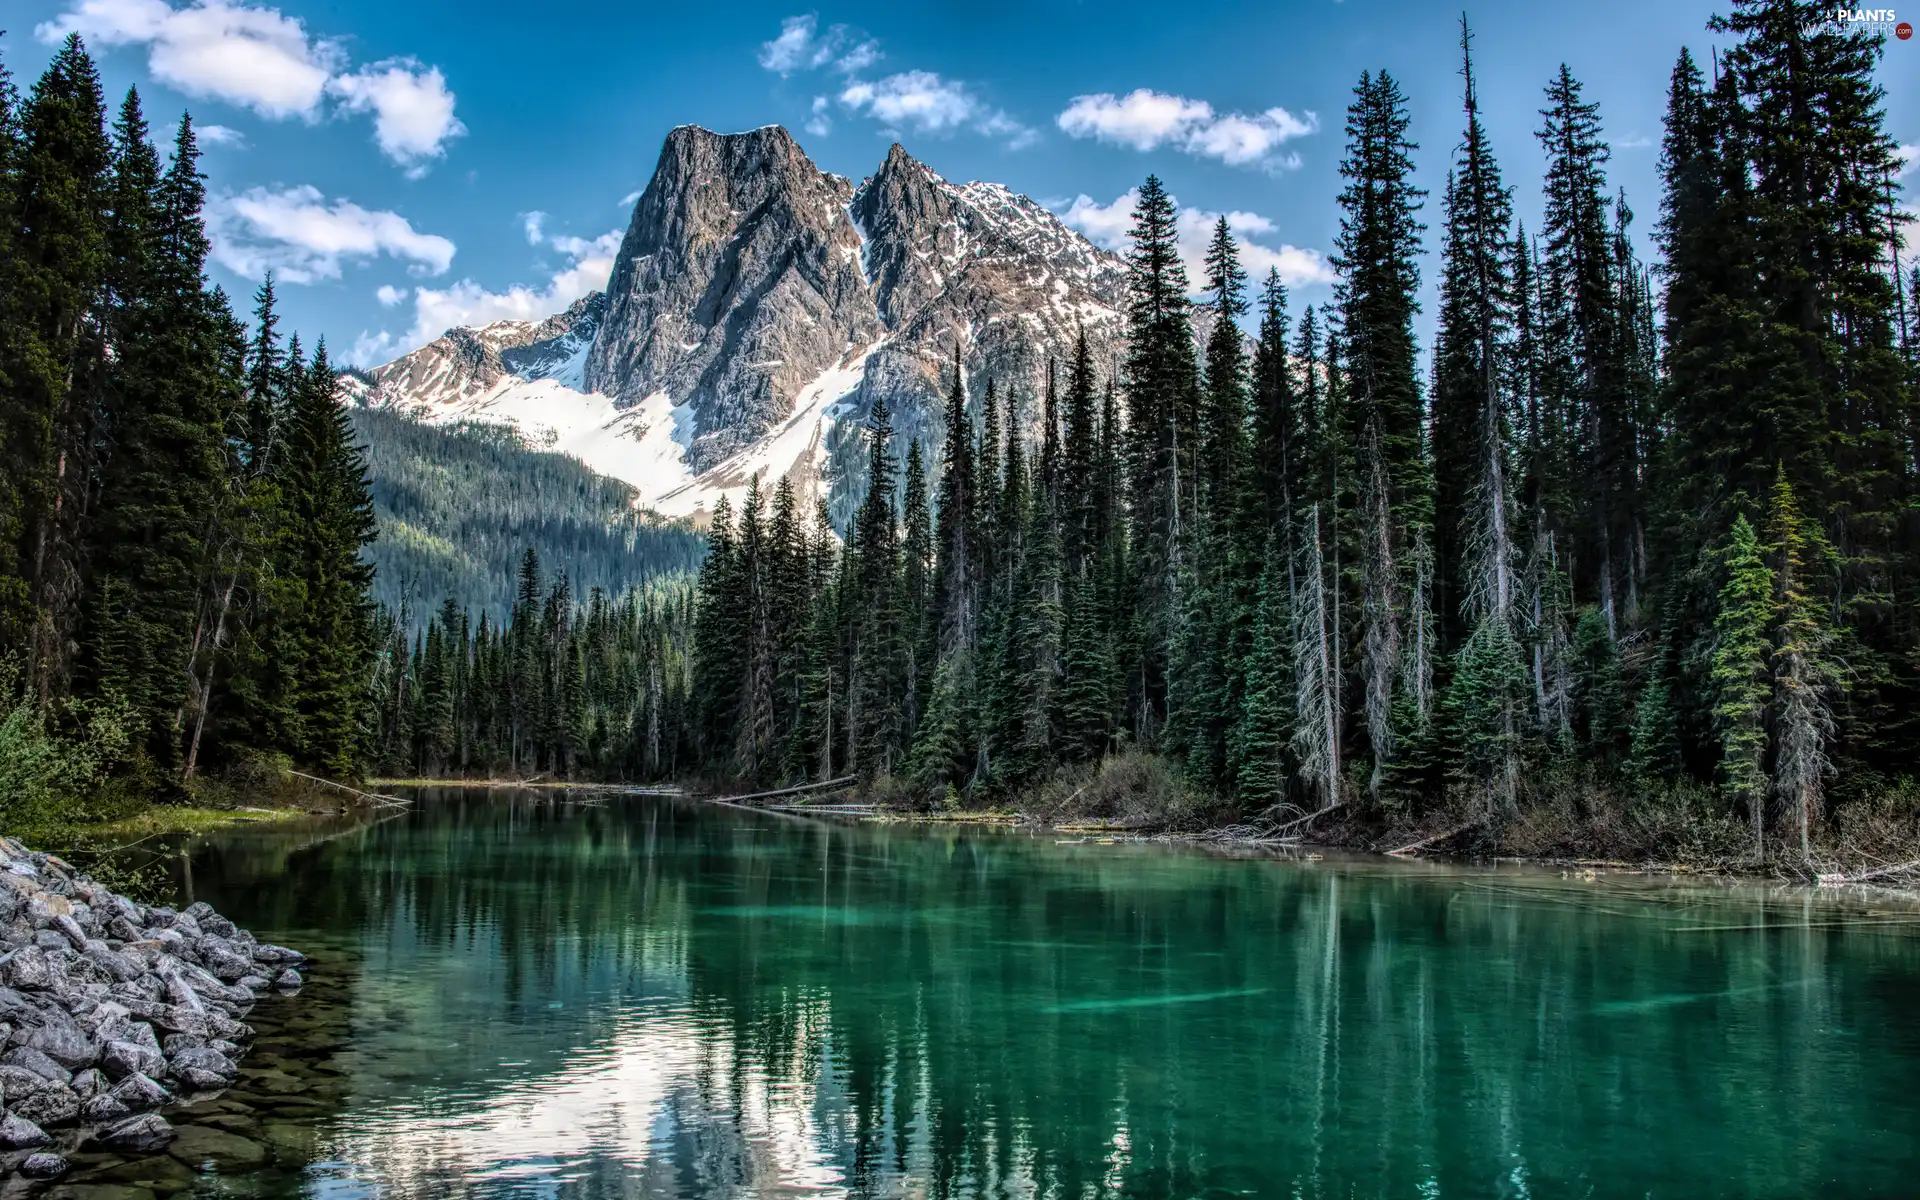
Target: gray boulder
(54,1104)
(18,1133)
(18,1081)
(26,968)
(65,1044)
(121,1059)
(111,963)
(102,1109)
(144,1133)
(287,980)
(38,1061)
(202,1068)
(43,1165)
(224,959)
(90,1082)
(138,1092)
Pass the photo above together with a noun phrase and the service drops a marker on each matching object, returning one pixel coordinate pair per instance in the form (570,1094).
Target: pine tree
(955,584)
(917,614)
(754,735)
(1262,725)
(1378,250)
(1474,572)
(1594,391)
(1487,701)
(1740,675)
(157,523)
(1805,678)
(1162,399)
(876,716)
(720,666)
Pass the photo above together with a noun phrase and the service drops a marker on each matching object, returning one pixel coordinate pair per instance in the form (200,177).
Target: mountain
(759,308)
(458,504)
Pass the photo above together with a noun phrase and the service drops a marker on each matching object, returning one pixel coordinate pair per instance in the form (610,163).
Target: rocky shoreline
(111,1009)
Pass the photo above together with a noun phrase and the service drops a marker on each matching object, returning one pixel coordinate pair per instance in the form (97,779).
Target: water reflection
(656,999)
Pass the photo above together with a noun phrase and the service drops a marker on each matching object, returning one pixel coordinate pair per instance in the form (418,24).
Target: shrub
(53,764)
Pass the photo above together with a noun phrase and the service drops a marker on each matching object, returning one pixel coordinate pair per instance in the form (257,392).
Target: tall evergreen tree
(1379,245)
(1162,399)
(1740,683)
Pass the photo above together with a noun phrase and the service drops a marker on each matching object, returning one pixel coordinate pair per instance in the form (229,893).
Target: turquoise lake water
(570,995)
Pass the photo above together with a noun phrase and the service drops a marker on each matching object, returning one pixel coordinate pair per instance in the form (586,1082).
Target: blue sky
(407,166)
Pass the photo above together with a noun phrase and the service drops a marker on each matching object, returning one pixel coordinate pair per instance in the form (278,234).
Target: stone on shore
(110,1008)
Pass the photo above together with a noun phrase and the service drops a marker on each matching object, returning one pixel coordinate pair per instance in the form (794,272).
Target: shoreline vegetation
(1624,566)
(1119,807)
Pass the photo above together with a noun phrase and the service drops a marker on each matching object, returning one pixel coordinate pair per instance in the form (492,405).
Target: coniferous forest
(1642,538)
(183,509)
(1628,558)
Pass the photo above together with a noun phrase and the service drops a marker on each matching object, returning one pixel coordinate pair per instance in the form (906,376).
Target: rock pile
(110,1009)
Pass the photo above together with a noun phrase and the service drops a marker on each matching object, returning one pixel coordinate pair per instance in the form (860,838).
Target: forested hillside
(457,506)
(1634,564)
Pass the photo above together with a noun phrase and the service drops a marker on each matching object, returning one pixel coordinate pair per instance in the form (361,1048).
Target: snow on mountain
(758,309)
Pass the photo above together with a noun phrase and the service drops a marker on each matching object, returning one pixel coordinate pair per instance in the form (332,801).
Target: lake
(552,994)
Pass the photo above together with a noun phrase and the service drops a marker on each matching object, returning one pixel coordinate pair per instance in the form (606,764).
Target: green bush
(54,765)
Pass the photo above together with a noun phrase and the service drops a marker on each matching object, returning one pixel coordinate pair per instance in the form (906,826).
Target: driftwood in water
(1864,876)
(791,791)
(378,798)
(1410,847)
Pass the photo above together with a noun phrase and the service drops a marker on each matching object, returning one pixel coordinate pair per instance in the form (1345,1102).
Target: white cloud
(530,224)
(254,57)
(259,58)
(924,102)
(436,310)
(388,295)
(1637,142)
(795,48)
(1105,225)
(802,46)
(631,198)
(820,124)
(916,101)
(1144,119)
(207,136)
(1110,225)
(219,135)
(302,237)
(1909,157)
(412,109)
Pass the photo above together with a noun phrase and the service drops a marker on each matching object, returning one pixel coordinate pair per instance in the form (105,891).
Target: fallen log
(1410,847)
(1883,872)
(379,798)
(790,791)
(1277,830)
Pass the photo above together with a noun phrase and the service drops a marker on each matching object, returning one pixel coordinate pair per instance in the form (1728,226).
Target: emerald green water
(519,994)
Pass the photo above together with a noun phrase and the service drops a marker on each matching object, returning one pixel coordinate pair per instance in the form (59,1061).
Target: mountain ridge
(759,307)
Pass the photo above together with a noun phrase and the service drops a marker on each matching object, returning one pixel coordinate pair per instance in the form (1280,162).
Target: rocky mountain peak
(759,307)
(738,282)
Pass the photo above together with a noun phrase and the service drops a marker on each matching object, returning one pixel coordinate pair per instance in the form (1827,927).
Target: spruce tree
(1162,396)
(1741,687)
(876,716)
(1382,418)
(1805,675)
(1474,552)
